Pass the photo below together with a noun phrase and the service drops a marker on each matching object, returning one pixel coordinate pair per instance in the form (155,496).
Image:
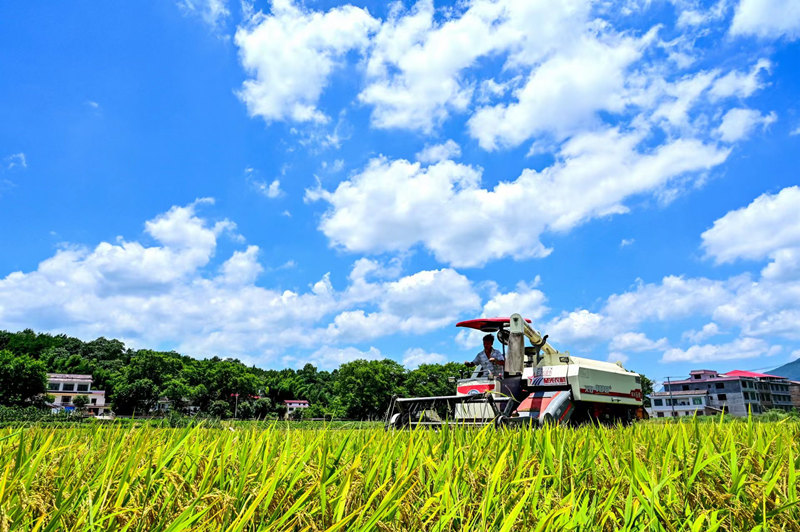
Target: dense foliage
(135,380)
(688,475)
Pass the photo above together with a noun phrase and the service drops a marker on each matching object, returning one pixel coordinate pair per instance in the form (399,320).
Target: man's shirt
(483,361)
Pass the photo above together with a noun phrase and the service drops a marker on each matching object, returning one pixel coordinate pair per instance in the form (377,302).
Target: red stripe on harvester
(565,411)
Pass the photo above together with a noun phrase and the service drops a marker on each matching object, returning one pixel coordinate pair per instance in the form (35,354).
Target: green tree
(23,380)
(137,397)
(245,410)
(431,380)
(80,402)
(365,387)
(220,409)
(178,393)
(647,389)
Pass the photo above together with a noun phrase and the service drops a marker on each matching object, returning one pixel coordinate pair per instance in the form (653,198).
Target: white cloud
(579,326)
(274,189)
(767,19)
(291,54)
(526,300)
(785,265)
(16,160)
(329,357)
(709,330)
(795,131)
(737,124)
(243,267)
(770,223)
(739,84)
(562,95)
(212,12)
(439,152)
(625,242)
(636,342)
(795,354)
(171,294)
(393,205)
(415,357)
(617,357)
(416,68)
(739,349)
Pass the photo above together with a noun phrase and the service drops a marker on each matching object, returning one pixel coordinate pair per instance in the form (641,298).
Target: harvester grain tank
(540,385)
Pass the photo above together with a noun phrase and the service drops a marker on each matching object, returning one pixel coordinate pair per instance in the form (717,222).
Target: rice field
(689,476)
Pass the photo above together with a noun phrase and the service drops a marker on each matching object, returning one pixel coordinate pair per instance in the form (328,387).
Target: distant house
(293,405)
(737,392)
(794,393)
(66,386)
(164,405)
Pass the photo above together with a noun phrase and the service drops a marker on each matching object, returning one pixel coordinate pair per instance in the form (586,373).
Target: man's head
(488,340)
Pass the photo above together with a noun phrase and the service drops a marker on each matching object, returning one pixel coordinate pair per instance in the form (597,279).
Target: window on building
(659,414)
(68,387)
(93,401)
(697,376)
(685,387)
(83,387)
(722,397)
(697,400)
(66,399)
(53,386)
(719,385)
(658,402)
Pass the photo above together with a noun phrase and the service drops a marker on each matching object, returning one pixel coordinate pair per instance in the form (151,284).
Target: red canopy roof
(753,374)
(486,324)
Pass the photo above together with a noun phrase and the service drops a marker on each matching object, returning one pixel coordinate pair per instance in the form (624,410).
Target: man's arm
(497,358)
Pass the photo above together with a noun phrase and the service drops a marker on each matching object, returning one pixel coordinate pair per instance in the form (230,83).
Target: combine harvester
(540,385)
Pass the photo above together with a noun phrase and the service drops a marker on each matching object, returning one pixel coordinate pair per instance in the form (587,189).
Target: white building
(681,403)
(66,386)
(292,405)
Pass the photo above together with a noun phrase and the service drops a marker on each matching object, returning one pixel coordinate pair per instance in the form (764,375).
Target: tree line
(135,379)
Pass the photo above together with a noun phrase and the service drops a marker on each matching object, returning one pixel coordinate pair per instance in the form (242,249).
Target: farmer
(489,359)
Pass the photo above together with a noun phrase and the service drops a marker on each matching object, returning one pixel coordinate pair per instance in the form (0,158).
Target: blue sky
(322,181)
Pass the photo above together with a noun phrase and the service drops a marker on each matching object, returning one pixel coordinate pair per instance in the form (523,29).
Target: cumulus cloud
(439,152)
(769,224)
(290,54)
(708,330)
(767,19)
(562,95)
(416,356)
(636,342)
(737,124)
(739,349)
(394,205)
(415,71)
(169,293)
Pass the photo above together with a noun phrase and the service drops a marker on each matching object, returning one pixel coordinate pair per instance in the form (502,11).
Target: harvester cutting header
(538,384)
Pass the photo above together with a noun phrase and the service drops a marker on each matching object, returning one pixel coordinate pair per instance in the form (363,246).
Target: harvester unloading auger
(539,385)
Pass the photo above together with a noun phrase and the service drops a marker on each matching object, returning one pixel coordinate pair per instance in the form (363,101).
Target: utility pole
(671,401)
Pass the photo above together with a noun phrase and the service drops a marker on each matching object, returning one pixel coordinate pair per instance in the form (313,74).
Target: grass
(684,476)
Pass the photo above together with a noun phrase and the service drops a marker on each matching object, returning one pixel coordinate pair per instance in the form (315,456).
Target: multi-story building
(794,393)
(736,392)
(66,386)
(681,403)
